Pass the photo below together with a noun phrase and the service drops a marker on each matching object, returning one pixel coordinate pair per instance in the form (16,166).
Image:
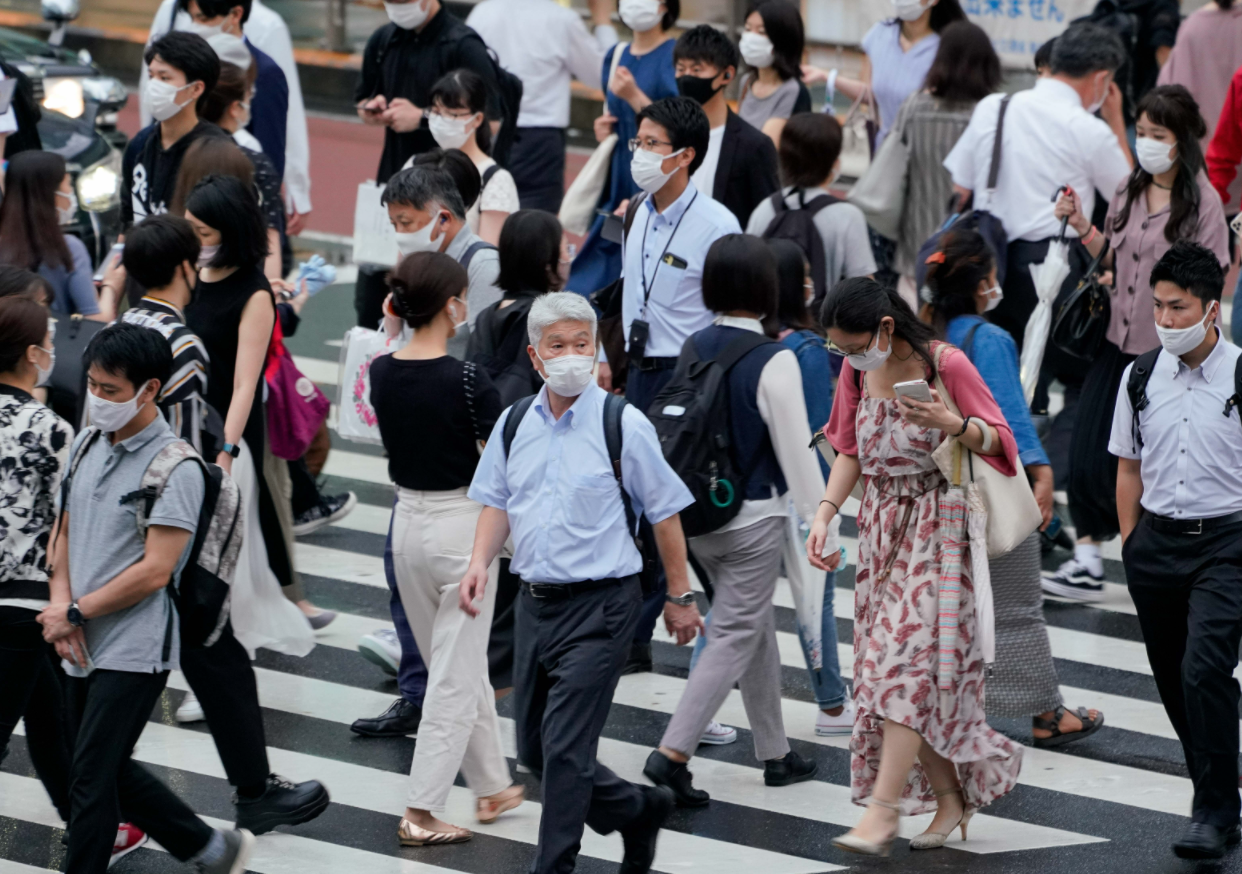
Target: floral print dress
(895,617)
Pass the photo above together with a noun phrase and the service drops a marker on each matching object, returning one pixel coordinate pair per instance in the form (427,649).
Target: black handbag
(1082,320)
(67,387)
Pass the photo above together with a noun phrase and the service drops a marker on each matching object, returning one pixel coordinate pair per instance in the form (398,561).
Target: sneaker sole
(186,719)
(306,813)
(797,778)
(379,658)
(243,852)
(718,740)
(1061,590)
(116,857)
(843,731)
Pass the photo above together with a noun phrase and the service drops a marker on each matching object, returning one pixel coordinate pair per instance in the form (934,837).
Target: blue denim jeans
(827,683)
(412,672)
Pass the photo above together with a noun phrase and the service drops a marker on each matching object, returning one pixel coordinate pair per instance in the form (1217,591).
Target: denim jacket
(819,374)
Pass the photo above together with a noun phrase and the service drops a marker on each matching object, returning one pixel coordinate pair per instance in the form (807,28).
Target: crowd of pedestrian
(586,441)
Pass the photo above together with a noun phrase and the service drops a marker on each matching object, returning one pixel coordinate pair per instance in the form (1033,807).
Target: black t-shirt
(427,426)
(406,63)
(149,171)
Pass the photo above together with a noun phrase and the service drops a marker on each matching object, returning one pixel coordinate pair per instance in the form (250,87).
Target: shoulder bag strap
(468,382)
(968,342)
(472,250)
(1136,388)
(614,410)
(632,210)
(617,51)
(516,413)
(994,170)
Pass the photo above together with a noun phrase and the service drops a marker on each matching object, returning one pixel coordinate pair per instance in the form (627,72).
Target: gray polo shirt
(104,540)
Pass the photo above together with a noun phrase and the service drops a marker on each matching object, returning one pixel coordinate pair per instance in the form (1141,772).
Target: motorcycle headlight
(64,96)
(104,89)
(99,185)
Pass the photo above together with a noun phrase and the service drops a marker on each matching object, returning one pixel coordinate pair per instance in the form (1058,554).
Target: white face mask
(68,212)
(206,254)
(568,375)
(995,296)
(45,375)
(458,324)
(909,10)
(112,416)
(245,119)
(162,98)
(407,16)
(757,50)
(449,133)
(1095,106)
(1179,341)
(420,240)
(204,30)
(1153,156)
(873,358)
(640,15)
(645,167)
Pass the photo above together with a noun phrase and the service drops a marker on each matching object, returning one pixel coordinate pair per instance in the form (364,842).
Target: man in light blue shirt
(555,489)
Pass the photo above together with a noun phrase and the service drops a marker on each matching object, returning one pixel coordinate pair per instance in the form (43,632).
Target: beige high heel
(851,843)
(930,840)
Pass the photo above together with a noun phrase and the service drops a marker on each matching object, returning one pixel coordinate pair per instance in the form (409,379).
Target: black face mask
(698,88)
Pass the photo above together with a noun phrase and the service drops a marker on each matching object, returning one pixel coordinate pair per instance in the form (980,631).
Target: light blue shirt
(895,72)
(681,234)
(558,487)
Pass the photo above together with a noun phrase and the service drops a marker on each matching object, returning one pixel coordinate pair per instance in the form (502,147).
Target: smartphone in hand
(915,389)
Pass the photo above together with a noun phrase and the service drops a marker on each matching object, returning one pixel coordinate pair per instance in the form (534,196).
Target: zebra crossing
(1112,802)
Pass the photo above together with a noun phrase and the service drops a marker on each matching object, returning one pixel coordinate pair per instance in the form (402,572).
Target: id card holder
(639,332)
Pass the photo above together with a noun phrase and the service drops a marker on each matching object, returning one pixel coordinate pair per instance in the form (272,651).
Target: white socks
(1088,555)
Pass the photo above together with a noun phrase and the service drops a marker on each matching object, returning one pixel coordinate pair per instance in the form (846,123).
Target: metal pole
(334,29)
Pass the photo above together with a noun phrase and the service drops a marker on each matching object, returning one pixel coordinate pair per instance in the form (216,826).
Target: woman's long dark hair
(30,232)
(791,310)
(954,281)
(1172,106)
(966,68)
(464,89)
(782,21)
(858,305)
(226,204)
(945,13)
(530,254)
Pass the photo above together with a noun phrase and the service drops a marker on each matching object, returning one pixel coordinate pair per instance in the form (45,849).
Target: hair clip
(935,258)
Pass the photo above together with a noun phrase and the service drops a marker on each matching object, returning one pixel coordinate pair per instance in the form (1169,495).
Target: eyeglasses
(834,348)
(451,113)
(648,144)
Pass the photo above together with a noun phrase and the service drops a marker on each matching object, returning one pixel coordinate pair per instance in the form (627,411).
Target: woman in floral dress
(915,747)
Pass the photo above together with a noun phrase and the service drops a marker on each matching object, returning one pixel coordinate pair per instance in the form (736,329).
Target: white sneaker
(382,648)
(835,726)
(717,734)
(190,710)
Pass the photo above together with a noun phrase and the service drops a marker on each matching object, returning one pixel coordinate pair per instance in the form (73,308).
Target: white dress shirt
(704,178)
(8,121)
(269,33)
(1191,457)
(1050,140)
(542,43)
(685,230)
(562,498)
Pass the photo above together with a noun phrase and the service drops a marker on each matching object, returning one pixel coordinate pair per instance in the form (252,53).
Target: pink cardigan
(969,391)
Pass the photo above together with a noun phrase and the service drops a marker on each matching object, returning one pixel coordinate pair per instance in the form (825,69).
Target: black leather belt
(1165,525)
(565,591)
(649,364)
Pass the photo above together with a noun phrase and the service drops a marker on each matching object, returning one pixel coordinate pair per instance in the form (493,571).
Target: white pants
(432,535)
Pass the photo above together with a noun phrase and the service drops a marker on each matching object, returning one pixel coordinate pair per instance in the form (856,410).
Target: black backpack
(508,95)
(614,409)
(691,418)
(498,344)
(1140,375)
(1110,15)
(798,226)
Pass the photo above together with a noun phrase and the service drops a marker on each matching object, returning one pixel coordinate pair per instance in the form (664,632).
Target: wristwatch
(232,449)
(681,600)
(74,615)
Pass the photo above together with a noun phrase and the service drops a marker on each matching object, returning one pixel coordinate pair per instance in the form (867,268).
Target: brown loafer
(411,835)
(491,807)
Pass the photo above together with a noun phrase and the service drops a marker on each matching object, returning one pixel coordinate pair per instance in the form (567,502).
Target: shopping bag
(355,415)
(881,192)
(375,241)
(858,132)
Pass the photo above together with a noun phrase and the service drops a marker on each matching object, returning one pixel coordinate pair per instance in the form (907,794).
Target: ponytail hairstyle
(858,305)
(422,283)
(954,272)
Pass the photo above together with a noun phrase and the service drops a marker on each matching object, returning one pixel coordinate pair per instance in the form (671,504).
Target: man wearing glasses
(662,258)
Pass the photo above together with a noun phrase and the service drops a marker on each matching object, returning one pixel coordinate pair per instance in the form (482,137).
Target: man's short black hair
(458,165)
(1193,268)
(136,353)
(1043,54)
(216,8)
(810,146)
(706,44)
(686,124)
(156,247)
(192,55)
(419,186)
(1086,48)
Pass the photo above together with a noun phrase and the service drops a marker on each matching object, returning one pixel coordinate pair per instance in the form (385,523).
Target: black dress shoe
(1205,841)
(639,661)
(639,837)
(789,770)
(663,771)
(282,803)
(400,719)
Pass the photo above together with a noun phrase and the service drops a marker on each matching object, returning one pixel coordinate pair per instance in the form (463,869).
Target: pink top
(1137,247)
(970,393)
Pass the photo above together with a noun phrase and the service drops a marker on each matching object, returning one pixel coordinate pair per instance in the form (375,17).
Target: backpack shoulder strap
(1136,389)
(516,413)
(92,434)
(1236,400)
(487,176)
(156,477)
(994,170)
(632,210)
(778,203)
(473,249)
(614,411)
(968,342)
(819,202)
(738,348)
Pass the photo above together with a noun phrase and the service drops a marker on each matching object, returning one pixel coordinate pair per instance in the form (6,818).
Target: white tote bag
(375,241)
(355,415)
(881,192)
(582,199)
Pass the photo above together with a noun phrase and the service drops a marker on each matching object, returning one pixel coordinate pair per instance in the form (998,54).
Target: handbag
(66,389)
(296,408)
(578,207)
(1012,513)
(858,132)
(1082,320)
(881,192)
(375,241)
(607,301)
(356,418)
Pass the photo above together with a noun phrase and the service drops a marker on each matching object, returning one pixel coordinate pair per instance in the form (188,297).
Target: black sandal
(1089,727)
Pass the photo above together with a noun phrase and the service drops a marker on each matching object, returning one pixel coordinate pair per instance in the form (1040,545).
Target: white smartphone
(915,389)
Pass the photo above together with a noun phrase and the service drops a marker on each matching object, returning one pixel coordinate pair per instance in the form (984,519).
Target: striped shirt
(183,400)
